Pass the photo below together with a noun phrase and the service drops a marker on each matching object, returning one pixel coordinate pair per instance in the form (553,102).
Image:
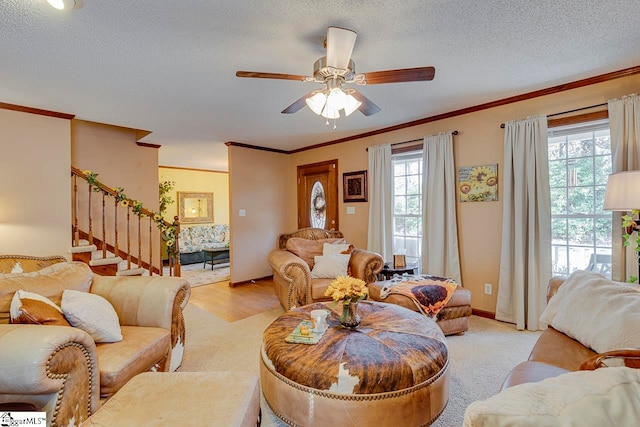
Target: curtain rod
(570,111)
(455,132)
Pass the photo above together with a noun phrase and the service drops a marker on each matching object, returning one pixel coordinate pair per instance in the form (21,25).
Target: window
(579,166)
(407,206)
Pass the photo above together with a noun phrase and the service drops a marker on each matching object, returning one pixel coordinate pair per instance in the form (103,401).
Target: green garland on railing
(168,231)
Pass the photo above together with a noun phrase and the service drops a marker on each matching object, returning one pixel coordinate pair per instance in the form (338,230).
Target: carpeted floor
(479,360)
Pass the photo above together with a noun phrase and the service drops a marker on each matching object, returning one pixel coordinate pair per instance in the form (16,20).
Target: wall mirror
(195,207)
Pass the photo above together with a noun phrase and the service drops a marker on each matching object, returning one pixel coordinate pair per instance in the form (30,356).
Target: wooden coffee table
(392,370)
(215,256)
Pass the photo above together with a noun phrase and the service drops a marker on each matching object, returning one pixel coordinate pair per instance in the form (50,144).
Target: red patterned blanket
(429,293)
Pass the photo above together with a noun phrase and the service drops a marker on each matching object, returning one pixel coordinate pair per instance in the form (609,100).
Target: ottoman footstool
(183,399)
(391,371)
(452,319)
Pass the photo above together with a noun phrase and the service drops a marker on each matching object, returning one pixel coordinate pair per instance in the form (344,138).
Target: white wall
(35,183)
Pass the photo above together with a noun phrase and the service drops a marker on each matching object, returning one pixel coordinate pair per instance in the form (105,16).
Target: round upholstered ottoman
(392,370)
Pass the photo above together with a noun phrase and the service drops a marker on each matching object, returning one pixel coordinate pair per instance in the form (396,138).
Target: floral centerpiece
(347,291)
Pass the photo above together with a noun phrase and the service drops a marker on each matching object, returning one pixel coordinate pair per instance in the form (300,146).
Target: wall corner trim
(38,111)
(255,147)
(146,144)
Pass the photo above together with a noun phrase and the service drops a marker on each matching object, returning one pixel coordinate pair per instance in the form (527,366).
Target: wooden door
(318,195)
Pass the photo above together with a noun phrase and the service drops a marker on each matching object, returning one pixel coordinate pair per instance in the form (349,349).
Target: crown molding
(37,111)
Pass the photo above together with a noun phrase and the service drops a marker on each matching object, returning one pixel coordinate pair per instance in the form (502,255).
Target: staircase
(116,235)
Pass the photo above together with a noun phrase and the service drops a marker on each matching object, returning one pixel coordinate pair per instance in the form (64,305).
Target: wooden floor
(235,303)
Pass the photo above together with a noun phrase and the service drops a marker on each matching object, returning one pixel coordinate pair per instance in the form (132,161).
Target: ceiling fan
(336,70)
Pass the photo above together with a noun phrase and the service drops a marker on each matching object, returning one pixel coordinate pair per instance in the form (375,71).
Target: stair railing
(82,212)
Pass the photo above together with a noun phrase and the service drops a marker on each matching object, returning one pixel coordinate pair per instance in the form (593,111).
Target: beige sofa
(59,369)
(556,353)
(292,278)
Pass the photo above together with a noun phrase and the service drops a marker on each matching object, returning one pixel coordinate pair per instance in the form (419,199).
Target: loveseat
(192,240)
(593,323)
(61,369)
(556,353)
(294,261)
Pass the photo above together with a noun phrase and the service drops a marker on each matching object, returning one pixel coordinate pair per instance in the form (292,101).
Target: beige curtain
(380,233)
(440,256)
(525,261)
(624,123)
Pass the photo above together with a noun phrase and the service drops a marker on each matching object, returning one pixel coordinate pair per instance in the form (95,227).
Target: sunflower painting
(478,183)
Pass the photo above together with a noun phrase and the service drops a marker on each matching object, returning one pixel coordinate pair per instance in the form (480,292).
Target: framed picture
(355,186)
(195,207)
(478,183)
(399,261)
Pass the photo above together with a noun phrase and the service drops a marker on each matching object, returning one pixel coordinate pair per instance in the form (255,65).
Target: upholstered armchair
(293,261)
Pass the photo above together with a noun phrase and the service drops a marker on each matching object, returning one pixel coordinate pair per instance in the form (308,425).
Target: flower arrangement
(629,225)
(346,290)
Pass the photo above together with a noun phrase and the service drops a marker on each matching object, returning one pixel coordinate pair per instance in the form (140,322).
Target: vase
(349,318)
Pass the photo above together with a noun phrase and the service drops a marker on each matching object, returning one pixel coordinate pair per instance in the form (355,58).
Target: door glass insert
(318,206)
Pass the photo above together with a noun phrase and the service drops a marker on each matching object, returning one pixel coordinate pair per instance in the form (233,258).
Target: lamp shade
(317,102)
(66,4)
(330,113)
(336,98)
(351,105)
(623,191)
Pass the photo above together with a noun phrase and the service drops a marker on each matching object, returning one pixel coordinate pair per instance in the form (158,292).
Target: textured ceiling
(169,66)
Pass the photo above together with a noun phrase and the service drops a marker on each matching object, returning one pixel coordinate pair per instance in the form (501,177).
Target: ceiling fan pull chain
(334,124)
(326,123)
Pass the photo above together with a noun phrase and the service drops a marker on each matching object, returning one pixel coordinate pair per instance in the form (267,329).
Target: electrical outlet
(488,288)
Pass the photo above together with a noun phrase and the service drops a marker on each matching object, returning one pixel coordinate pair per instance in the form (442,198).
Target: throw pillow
(308,249)
(596,311)
(330,266)
(49,282)
(336,248)
(27,307)
(93,314)
(606,397)
(339,248)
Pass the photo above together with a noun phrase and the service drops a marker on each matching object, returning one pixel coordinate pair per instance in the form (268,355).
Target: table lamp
(623,191)
(623,194)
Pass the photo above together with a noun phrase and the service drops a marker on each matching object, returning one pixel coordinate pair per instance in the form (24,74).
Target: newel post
(176,247)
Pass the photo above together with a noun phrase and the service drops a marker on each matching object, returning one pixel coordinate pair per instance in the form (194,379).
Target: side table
(388,271)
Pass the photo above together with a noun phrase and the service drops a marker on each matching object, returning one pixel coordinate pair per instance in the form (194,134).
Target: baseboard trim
(482,313)
(244,282)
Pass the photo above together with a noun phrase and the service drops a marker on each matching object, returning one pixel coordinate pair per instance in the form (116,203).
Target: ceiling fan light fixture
(317,102)
(337,99)
(66,4)
(330,113)
(351,105)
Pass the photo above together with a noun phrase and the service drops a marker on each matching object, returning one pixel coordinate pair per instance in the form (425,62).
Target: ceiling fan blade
(399,76)
(259,75)
(367,108)
(340,44)
(297,106)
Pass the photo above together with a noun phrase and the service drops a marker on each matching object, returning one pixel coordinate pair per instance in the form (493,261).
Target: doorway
(318,195)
